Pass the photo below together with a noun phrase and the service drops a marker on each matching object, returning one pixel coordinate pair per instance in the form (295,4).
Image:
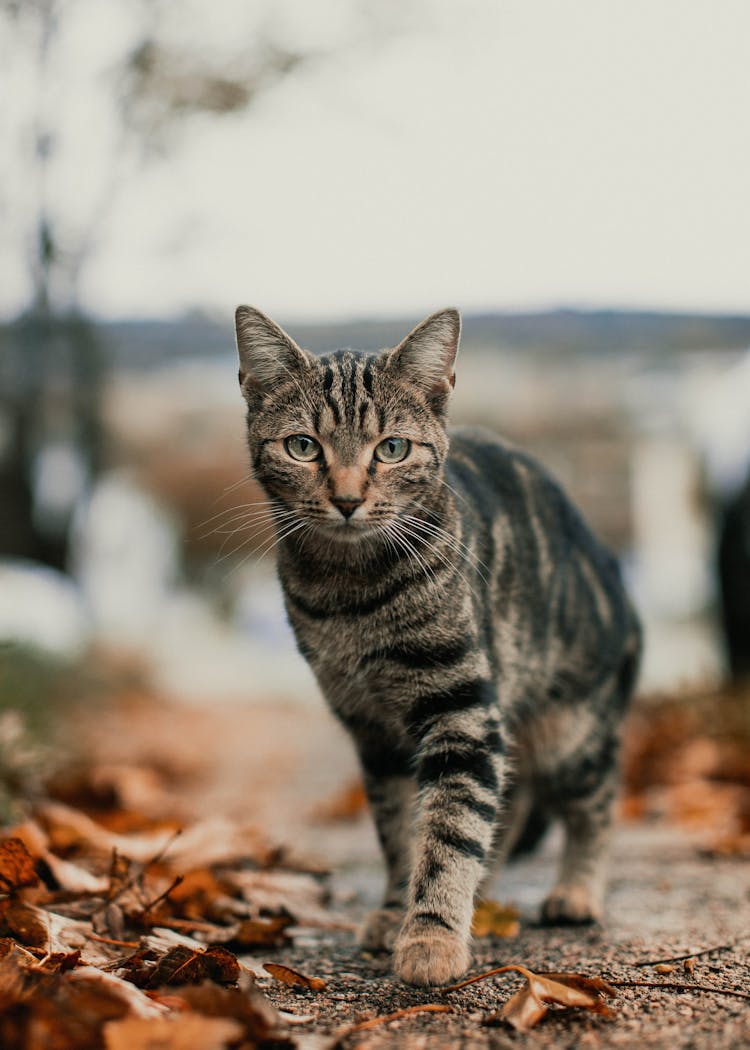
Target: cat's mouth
(346,528)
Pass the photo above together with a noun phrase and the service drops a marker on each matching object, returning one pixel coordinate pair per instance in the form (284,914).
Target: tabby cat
(460,618)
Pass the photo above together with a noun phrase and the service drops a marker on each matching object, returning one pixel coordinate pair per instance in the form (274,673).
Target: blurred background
(572,176)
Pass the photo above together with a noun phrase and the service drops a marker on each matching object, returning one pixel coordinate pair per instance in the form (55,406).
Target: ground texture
(281,767)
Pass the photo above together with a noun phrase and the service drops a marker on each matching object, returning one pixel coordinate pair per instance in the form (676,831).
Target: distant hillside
(141,343)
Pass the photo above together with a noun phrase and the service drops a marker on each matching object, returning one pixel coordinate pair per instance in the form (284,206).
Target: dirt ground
(275,766)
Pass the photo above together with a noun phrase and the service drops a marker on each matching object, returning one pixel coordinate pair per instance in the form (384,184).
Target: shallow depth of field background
(573,177)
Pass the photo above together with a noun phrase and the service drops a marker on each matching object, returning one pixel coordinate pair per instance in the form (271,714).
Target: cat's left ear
(426,357)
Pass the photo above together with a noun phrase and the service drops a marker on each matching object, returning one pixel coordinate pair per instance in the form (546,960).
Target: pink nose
(346,504)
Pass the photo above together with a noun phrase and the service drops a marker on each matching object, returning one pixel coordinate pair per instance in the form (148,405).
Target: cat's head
(350,441)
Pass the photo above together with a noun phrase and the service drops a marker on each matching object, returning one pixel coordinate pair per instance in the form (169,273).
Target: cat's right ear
(267,354)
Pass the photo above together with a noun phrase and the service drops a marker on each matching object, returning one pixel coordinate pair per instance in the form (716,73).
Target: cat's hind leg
(584,803)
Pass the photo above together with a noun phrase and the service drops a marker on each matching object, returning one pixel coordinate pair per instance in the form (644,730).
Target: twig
(140,869)
(691,955)
(111,940)
(675,986)
(477,977)
(375,1022)
(176,881)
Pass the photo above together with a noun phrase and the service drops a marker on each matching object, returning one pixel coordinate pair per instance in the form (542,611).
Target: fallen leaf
(530,1003)
(349,803)
(16,866)
(246,1004)
(288,976)
(25,923)
(293,893)
(183,965)
(180,1032)
(72,877)
(492,919)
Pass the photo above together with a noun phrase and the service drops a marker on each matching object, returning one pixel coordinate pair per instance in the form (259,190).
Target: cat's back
(547,573)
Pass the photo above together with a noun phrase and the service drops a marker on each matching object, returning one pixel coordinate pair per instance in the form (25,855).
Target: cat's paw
(427,956)
(380,929)
(572,904)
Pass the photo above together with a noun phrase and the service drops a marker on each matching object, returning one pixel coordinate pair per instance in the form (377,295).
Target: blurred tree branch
(152,83)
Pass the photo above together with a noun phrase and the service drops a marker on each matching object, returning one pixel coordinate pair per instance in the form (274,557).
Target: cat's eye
(392,450)
(302,447)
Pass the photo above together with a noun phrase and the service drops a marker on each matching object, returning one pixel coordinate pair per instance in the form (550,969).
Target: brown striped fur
(461,619)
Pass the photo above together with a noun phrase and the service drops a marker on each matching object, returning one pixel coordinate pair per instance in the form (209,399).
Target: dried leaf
(25,923)
(349,803)
(288,976)
(529,1004)
(72,877)
(246,1004)
(180,1032)
(16,866)
(183,965)
(287,892)
(495,920)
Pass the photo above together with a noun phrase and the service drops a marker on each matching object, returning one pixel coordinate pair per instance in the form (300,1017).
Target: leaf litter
(114,923)
(124,938)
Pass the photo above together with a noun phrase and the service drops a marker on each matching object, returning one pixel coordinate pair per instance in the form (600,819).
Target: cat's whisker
(443,557)
(289,531)
(254,538)
(240,521)
(398,534)
(243,524)
(450,541)
(256,534)
(238,507)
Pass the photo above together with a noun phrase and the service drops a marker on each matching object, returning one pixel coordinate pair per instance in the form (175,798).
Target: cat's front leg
(459,774)
(390,792)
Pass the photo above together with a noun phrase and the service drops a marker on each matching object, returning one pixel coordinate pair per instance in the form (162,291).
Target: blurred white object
(42,607)
(718,417)
(59,481)
(125,554)
(672,539)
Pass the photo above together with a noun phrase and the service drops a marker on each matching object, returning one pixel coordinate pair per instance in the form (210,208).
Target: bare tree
(52,362)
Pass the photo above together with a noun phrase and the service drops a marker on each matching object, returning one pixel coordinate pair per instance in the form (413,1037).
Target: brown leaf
(288,976)
(529,1004)
(180,1032)
(349,803)
(25,923)
(16,866)
(183,965)
(246,1004)
(495,920)
(262,933)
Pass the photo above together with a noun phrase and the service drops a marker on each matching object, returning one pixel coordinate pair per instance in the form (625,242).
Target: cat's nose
(346,504)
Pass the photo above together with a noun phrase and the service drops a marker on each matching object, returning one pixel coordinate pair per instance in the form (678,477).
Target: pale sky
(487,154)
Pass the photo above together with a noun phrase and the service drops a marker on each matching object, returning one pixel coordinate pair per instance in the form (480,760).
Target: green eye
(393,450)
(302,447)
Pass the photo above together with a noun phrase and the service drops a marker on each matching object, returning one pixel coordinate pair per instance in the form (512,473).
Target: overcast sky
(485,154)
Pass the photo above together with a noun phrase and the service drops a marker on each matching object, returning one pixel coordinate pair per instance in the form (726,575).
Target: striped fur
(462,622)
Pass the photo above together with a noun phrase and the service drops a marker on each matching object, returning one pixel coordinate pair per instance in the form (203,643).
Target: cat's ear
(426,357)
(267,354)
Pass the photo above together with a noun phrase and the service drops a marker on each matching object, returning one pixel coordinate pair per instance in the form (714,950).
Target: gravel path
(666,899)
